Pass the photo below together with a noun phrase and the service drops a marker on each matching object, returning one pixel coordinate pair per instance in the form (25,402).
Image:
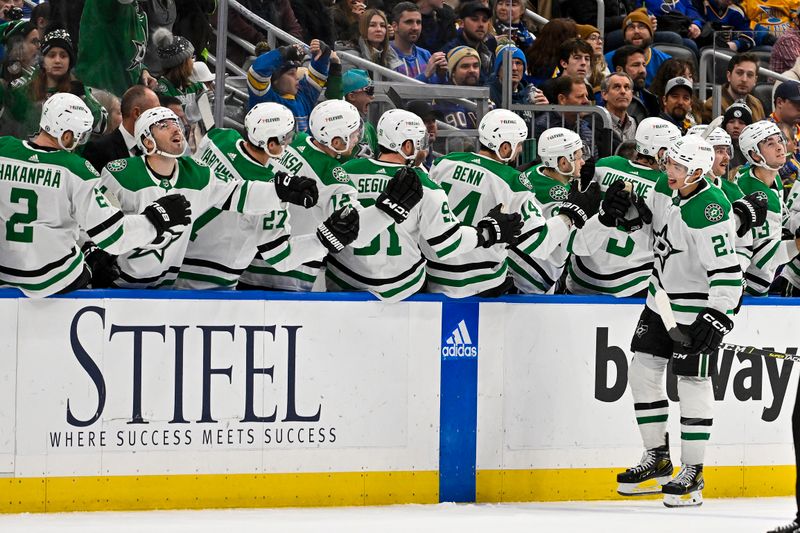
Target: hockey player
(335,128)
(392,267)
(137,181)
(791,274)
(561,152)
(224,243)
(763,146)
(477,182)
(47,193)
(618,262)
(695,263)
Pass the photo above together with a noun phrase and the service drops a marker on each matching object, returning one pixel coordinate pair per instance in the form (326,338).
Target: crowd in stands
(122,58)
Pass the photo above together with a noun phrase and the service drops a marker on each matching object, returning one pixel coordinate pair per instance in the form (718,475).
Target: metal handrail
(605,115)
(601,19)
(230,65)
(247,45)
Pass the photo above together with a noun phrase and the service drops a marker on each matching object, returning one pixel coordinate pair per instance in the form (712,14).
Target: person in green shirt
(359,91)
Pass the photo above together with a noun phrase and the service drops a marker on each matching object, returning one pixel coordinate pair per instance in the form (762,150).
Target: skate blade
(691,499)
(651,486)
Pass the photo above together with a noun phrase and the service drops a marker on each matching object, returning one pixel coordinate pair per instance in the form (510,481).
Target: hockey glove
(751,211)
(498,227)
(637,215)
(296,189)
(102,264)
(168,211)
(587,172)
(401,194)
(580,206)
(339,230)
(707,331)
(615,204)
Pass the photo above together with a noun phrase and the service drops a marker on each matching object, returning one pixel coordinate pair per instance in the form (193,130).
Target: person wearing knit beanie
(173,50)
(59,38)
(464,66)
(634,26)
(502,52)
(176,54)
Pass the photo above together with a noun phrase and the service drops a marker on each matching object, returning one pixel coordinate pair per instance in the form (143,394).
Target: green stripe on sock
(651,419)
(695,436)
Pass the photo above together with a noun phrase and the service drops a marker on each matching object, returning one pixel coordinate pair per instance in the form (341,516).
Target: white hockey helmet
(396,126)
(269,120)
(559,142)
(335,118)
(502,126)
(65,112)
(144,124)
(653,134)
(752,136)
(694,153)
(718,136)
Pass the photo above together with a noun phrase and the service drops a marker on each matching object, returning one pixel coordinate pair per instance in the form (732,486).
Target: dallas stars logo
(141,48)
(662,248)
(559,193)
(158,247)
(714,212)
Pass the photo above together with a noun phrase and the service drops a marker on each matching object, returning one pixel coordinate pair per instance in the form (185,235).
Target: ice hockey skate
(686,489)
(654,470)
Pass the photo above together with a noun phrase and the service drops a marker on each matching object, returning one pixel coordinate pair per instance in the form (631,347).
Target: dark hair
(166,100)
(744,57)
(572,47)
(132,98)
(41,11)
(402,7)
(620,57)
(544,52)
(563,85)
(671,68)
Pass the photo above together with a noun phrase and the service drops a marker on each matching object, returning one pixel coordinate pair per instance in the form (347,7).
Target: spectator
(113,54)
(281,13)
(438,24)
(193,21)
(273,78)
(21,44)
(742,74)
(617,93)
(572,91)
(677,103)
(543,57)
(509,22)
(770,16)
(373,42)
(161,15)
(731,26)
(315,20)
(41,16)
(112,105)
(678,16)
(345,15)
(464,68)
(521,90)
(359,91)
(735,119)
(120,143)
(241,27)
(786,114)
(599,67)
(638,31)
(786,49)
(416,62)
(677,68)
(474,33)
(575,59)
(429,116)
(631,60)
(176,56)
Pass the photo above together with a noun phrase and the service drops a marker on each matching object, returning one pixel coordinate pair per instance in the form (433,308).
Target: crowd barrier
(169,399)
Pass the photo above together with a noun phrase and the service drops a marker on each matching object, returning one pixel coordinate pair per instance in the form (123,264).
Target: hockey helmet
(143,129)
(694,153)
(559,142)
(653,134)
(396,126)
(65,112)
(502,126)
(269,120)
(332,119)
(752,136)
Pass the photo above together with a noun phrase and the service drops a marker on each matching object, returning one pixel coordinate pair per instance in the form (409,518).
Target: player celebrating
(763,146)
(619,262)
(392,266)
(695,263)
(224,243)
(335,128)
(47,193)
(137,181)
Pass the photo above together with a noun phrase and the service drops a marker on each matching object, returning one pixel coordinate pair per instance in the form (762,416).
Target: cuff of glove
(575,213)
(398,213)
(328,239)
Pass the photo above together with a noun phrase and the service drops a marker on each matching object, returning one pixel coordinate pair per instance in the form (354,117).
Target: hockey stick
(665,310)
(710,128)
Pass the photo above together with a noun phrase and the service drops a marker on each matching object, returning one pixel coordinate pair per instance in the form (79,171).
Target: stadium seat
(763,91)
(678,51)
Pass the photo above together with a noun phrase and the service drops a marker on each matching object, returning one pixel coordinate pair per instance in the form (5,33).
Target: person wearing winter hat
(177,59)
(20,43)
(638,30)
(474,33)
(463,66)
(736,118)
(359,91)
(599,70)
(522,92)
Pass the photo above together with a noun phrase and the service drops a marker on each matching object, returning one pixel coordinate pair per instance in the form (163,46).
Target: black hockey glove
(339,230)
(291,52)
(580,206)
(637,215)
(707,331)
(168,211)
(296,189)
(587,172)
(102,264)
(752,212)
(615,204)
(498,227)
(401,194)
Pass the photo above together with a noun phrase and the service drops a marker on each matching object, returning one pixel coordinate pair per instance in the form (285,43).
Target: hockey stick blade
(713,124)
(665,310)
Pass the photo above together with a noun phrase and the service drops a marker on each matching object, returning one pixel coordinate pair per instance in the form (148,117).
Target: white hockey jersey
(792,222)
(46,197)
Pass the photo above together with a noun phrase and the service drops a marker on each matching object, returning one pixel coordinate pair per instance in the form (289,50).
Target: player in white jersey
(392,267)
(47,193)
(695,263)
(475,184)
(791,273)
(763,146)
(335,128)
(224,243)
(137,181)
(618,262)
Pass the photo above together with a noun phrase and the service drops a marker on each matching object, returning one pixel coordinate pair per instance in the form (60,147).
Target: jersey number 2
(24,233)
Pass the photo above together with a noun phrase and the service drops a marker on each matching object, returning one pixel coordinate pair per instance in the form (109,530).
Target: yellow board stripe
(205,491)
(600,483)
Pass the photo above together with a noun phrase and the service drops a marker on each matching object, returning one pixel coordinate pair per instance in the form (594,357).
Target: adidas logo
(301,149)
(34,158)
(382,171)
(231,156)
(459,343)
(476,161)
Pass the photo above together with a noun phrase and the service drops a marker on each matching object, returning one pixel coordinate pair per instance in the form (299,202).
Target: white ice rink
(640,516)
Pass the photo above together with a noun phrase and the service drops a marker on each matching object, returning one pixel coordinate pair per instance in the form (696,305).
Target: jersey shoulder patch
(708,208)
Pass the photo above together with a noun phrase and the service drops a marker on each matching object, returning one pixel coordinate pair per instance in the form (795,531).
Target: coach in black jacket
(120,144)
